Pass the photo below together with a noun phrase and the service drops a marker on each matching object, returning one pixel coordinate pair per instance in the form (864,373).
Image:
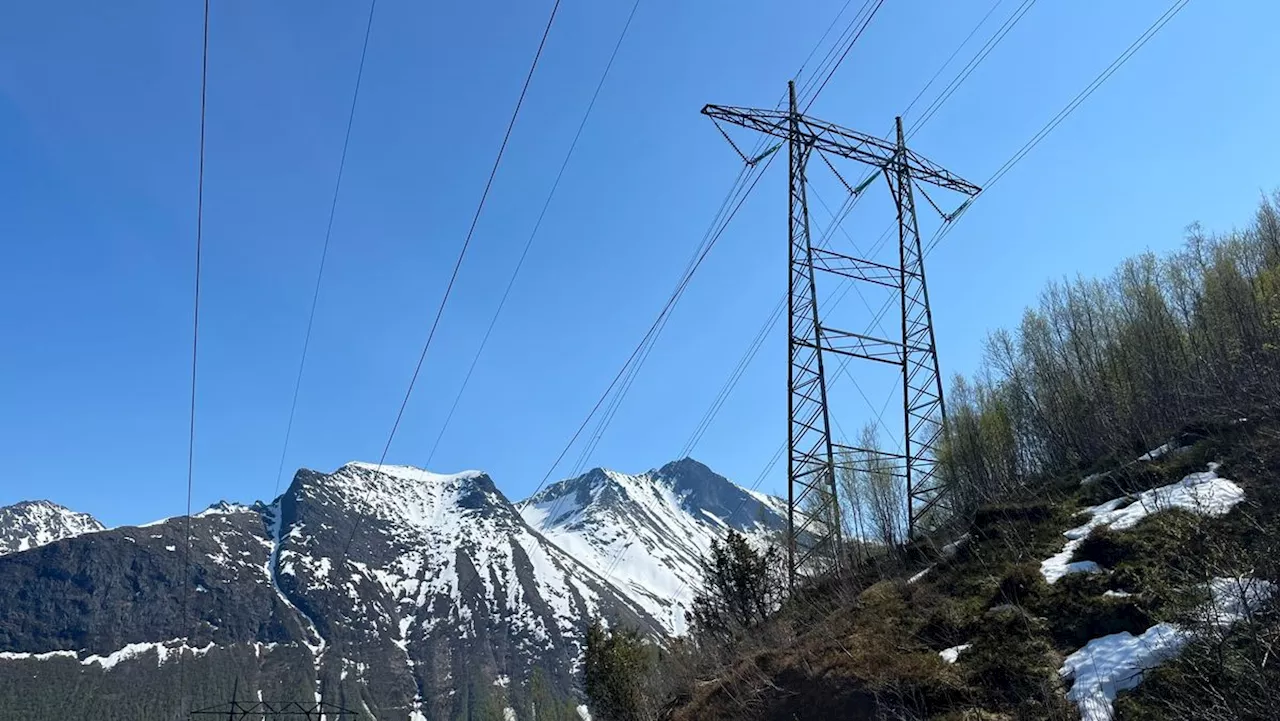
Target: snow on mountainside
(403,563)
(31,524)
(647,534)
(418,595)
(410,595)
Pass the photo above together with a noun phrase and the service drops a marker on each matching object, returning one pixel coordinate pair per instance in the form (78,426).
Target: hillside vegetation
(1115,470)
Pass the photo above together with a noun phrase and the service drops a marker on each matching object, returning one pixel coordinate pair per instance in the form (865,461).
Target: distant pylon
(813,518)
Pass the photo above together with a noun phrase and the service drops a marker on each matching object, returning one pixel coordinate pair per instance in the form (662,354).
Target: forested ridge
(1117,364)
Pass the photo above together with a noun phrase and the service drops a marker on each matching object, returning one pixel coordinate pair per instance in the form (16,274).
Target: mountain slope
(31,524)
(647,534)
(400,593)
(435,579)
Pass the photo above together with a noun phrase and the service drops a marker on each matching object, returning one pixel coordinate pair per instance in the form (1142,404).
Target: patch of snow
(224,508)
(509,714)
(1093,478)
(950,549)
(19,656)
(583,713)
(1059,564)
(1116,594)
(273,563)
(1205,493)
(411,473)
(162,649)
(950,655)
(1156,453)
(1110,664)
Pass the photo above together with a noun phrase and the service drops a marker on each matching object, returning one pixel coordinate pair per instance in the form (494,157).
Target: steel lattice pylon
(814,528)
(271,711)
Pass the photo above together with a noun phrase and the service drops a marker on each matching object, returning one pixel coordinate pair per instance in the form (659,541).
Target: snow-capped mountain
(647,534)
(31,524)
(398,593)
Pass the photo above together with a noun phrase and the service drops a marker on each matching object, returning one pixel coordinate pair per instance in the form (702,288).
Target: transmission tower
(274,711)
(813,518)
(236,710)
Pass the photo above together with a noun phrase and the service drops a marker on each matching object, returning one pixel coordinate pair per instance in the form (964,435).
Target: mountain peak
(29,524)
(688,464)
(409,473)
(649,533)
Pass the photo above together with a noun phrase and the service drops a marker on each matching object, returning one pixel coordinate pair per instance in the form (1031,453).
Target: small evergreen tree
(615,667)
(741,588)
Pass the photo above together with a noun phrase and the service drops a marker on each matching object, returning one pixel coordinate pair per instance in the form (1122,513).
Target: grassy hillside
(867,648)
(1078,576)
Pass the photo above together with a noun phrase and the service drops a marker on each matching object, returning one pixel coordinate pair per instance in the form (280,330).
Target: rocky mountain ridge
(392,591)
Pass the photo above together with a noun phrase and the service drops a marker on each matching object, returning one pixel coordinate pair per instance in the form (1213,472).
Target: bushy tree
(616,666)
(872,494)
(742,586)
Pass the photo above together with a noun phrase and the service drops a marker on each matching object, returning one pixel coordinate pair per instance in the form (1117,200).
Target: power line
(1067,110)
(324,250)
(843,55)
(758,340)
(951,57)
(466,243)
(1052,124)
(533,234)
(653,330)
(831,26)
(195,339)
(631,368)
(855,30)
(515,114)
(1000,34)
(738,191)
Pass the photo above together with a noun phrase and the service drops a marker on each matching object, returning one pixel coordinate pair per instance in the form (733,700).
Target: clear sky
(98,134)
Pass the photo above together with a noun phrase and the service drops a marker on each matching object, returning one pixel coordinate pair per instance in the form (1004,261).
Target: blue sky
(98,132)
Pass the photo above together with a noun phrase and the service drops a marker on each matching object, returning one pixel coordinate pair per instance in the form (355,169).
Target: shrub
(615,668)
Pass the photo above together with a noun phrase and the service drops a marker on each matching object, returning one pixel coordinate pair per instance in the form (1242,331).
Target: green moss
(1011,660)
(1023,583)
(1078,611)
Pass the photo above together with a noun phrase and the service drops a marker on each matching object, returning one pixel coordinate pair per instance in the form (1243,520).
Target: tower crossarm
(830,138)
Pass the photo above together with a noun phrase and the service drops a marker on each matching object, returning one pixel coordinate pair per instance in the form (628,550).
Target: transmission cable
(857,27)
(533,234)
(973,63)
(324,250)
(650,337)
(515,114)
(951,57)
(1066,111)
(195,346)
(867,21)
